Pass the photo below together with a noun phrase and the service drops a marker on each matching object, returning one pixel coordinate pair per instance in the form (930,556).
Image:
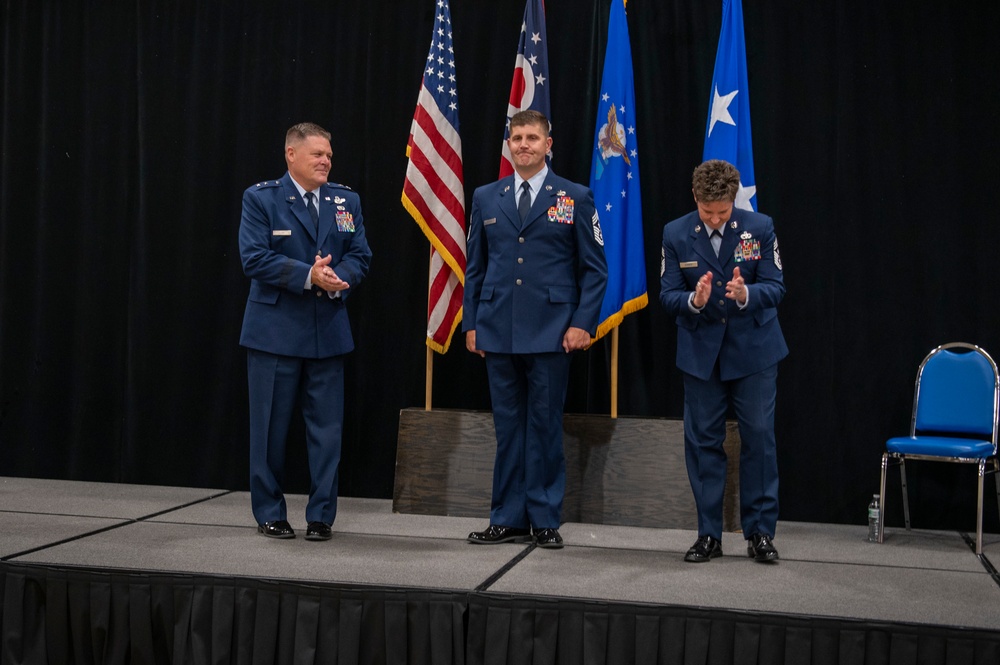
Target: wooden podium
(625,471)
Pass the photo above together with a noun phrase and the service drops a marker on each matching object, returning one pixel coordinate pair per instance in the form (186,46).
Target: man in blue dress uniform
(534,283)
(721,278)
(303,246)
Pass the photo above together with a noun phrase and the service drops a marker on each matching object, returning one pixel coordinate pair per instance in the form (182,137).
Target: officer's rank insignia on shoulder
(339,186)
(268,183)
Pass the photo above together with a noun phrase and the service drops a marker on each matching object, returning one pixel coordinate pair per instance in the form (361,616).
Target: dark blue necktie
(524,205)
(312,210)
(716,240)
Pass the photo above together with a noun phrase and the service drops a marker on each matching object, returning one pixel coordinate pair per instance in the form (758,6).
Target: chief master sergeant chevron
(534,284)
(303,246)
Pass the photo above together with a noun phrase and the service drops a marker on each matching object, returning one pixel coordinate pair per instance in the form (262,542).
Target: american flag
(433,192)
(530,87)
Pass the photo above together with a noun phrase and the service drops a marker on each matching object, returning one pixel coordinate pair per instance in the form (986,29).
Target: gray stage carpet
(920,577)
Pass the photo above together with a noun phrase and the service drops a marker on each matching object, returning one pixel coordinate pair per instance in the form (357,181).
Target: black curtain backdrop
(131,129)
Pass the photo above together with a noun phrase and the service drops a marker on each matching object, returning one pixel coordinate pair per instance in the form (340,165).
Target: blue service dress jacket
(742,341)
(526,284)
(278,246)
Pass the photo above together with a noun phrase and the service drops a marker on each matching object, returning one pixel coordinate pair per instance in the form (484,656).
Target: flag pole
(429,381)
(614,372)
(429,362)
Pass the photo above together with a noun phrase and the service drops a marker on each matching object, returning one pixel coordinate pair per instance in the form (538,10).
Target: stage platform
(95,572)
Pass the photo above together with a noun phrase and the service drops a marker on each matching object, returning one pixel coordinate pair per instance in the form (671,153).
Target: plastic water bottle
(874,526)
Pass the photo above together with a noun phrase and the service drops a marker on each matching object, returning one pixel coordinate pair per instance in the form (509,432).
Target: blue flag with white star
(727,135)
(614,179)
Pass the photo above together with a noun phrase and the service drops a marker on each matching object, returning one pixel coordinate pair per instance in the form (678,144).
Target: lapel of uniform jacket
(730,239)
(700,234)
(508,201)
(298,207)
(326,212)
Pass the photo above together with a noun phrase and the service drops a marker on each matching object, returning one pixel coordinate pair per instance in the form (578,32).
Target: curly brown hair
(715,180)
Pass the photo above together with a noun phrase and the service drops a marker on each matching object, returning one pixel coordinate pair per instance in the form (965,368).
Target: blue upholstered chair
(955,412)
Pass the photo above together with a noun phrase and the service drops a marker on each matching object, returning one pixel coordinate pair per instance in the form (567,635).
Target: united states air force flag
(614,179)
(727,135)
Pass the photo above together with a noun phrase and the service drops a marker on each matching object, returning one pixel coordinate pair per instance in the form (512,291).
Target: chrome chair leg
(881,498)
(996,480)
(979,508)
(906,497)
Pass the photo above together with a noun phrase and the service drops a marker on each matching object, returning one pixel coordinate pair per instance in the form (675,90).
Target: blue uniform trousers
(705,405)
(528,392)
(277,383)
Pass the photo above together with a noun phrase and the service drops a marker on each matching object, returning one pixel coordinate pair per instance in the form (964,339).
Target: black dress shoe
(318,531)
(276,529)
(549,538)
(760,548)
(704,549)
(500,534)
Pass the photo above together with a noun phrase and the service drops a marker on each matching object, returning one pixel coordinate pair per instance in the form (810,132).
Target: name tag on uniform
(689,264)
(491,220)
(282,232)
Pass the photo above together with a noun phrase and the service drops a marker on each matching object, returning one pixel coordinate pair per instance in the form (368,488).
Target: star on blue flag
(614,179)
(727,134)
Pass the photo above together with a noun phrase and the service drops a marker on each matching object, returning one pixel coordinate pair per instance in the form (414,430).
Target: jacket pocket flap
(564,294)
(263,294)
(765,315)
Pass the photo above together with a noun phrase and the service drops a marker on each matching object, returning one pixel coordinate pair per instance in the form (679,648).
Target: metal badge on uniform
(341,208)
(491,220)
(562,211)
(281,232)
(338,199)
(688,264)
(345,222)
(559,193)
(733,224)
(326,198)
(697,229)
(506,189)
(548,188)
